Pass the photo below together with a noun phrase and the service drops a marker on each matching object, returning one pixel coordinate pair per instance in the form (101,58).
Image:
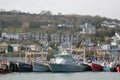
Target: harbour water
(61,76)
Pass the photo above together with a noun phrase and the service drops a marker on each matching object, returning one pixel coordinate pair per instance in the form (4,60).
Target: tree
(47,13)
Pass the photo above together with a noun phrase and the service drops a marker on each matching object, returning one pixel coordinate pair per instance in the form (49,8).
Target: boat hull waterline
(65,68)
(37,67)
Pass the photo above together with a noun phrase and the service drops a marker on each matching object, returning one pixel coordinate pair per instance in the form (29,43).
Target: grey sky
(107,8)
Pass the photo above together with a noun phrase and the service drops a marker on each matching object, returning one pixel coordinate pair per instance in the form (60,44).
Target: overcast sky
(104,8)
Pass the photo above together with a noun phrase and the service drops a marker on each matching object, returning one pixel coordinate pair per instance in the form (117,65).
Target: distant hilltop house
(112,24)
(116,37)
(65,25)
(87,28)
(45,26)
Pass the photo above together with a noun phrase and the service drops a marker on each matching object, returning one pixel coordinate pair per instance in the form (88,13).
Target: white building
(116,37)
(88,28)
(112,24)
(10,35)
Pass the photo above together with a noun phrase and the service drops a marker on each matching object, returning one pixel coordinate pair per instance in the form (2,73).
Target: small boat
(4,67)
(118,68)
(106,66)
(64,62)
(110,67)
(106,69)
(39,67)
(95,66)
(24,67)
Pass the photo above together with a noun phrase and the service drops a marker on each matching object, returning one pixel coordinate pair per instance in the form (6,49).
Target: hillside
(16,21)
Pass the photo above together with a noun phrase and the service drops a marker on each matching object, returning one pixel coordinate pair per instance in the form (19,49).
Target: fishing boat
(95,66)
(40,67)
(118,68)
(86,67)
(106,69)
(37,64)
(64,62)
(24,67)
(4,67)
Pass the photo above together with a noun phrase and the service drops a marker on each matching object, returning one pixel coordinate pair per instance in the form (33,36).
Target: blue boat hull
(24,67)
(106,69)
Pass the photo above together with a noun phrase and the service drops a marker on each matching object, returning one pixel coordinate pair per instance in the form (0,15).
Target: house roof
(87,25)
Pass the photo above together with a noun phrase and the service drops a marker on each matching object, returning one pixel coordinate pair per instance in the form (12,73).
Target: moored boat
(95,66)
(118,68)
(24,67)
(86,67)
(64,68)
(4,67)
(39,67)
(63,62)
(106,69)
